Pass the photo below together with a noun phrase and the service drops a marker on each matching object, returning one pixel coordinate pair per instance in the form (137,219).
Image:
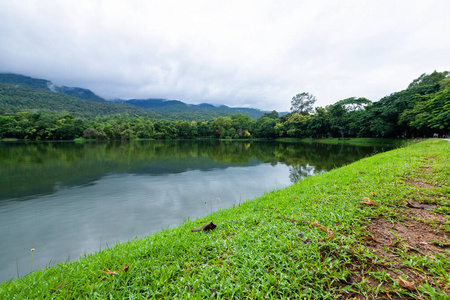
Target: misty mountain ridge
(175,108)
(47,85)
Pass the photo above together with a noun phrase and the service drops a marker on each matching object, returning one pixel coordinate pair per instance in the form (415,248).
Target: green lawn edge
(255,253)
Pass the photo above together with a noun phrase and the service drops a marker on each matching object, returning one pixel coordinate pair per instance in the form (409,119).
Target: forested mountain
(23,98)
(77,92)
(46,85)
(169,109)
(182,111)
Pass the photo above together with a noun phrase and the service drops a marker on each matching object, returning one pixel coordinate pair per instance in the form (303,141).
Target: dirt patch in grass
(418,233)
(426,170)
(413,234)
(420,183)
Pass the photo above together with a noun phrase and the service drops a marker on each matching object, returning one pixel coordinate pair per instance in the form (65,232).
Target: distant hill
(180,110)
(16,98)
(46,85)
(17,94)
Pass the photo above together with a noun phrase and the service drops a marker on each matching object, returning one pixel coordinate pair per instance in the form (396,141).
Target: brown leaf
(373,194)
(208,226)
(315,224)
(61,284)
(125,268)
(323,228)
(369,202)
(108,271)
(406,284)
(213,291)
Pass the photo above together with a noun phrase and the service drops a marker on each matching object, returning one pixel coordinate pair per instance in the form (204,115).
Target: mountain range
(19,92)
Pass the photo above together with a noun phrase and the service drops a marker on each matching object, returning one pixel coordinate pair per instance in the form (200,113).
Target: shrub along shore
(375,228)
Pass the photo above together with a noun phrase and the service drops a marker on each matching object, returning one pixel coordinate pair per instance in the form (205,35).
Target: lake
(64,199)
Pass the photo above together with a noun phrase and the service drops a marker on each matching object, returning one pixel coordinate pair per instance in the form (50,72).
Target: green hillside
(46,85)
(21,98)
(84,94)
(24,81)
(189,112)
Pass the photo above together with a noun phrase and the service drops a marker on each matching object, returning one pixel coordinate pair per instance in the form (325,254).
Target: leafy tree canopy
(428,79)
(303,103)
(352,103)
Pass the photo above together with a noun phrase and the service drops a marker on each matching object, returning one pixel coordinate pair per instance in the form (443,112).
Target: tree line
(422,109)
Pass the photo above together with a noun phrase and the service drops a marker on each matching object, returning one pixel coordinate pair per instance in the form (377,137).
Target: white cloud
(238,53)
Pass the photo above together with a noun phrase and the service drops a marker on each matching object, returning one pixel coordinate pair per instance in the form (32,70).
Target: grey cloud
(238,53)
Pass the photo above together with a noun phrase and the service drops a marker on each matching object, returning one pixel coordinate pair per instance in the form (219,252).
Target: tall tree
(303,103)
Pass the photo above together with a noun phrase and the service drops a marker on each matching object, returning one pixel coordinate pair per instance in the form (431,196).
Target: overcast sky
(238,53)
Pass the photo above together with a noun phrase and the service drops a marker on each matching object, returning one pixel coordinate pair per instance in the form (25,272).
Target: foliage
(19,99)
(177,110)
(431,111)
(303,103)
(422,110)
(429,79)
(24,81)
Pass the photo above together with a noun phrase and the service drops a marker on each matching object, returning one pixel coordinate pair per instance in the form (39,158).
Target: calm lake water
(64,199)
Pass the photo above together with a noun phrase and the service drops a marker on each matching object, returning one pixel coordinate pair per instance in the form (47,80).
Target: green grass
(358,141)
(256,253)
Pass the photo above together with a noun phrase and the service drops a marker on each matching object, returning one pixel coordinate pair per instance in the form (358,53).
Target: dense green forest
(421,110)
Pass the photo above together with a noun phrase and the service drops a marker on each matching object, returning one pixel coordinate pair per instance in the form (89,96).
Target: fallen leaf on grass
(208,226)
(108,271)
(369,202)
(406,284)
(61,284)
(373,238)
(373,194)
(125,269)
(315,224)
(323,228)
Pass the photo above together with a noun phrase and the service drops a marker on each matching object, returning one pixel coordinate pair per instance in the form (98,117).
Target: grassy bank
(358,141)
(369,229)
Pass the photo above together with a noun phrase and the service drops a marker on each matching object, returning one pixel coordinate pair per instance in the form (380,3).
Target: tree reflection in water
(297,173)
